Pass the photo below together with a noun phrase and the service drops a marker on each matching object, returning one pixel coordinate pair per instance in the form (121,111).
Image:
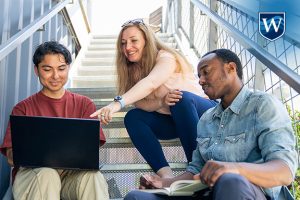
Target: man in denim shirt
(244,144)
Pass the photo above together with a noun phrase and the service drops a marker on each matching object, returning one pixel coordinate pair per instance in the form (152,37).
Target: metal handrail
(66,17)
(29,30)
(280,69)
(86,22)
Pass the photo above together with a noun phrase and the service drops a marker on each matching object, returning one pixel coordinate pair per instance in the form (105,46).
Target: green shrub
(295,117)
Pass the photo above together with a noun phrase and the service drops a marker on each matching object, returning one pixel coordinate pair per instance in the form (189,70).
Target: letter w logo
(271,24)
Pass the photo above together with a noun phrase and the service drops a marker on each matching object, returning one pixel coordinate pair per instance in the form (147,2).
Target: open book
(179,188)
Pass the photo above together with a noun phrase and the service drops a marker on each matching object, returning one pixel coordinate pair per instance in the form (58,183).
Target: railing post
(213,28)
(192,24)
(179,13)
(259,83)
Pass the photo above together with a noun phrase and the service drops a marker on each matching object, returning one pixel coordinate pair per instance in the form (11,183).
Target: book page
(186,186)
(163,191)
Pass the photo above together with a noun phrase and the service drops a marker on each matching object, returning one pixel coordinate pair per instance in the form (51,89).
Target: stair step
(164,35)
(94,81)
(101,54)
(103,41)
(96,93)
(96,70)
(126,142)
(107,168)
(98,61)
(99,47)
(130,155)
(95,36)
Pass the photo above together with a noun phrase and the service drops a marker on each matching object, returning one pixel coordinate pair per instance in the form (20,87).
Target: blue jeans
(228,187)
(146,128)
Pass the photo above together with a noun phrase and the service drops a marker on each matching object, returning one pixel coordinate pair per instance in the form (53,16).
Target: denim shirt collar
(236,104)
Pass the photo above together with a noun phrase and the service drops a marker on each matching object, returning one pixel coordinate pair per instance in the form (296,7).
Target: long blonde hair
(129,73)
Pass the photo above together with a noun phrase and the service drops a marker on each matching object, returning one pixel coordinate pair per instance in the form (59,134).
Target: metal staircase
(94,76)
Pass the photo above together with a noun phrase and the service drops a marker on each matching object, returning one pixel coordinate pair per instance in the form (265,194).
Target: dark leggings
(146,128)
(228,187)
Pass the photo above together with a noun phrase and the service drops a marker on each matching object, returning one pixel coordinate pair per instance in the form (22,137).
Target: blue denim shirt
(255,128)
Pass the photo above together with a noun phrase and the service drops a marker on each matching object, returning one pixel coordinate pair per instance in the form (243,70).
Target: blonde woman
(160,83)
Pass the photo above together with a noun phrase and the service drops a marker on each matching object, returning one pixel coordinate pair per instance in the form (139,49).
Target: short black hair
(51,47)
(226,55)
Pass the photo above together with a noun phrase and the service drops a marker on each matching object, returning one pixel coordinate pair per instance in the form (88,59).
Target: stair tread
(135,167)
(126,142)
(92,78)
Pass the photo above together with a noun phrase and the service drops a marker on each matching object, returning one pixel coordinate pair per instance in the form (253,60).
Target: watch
(120,100)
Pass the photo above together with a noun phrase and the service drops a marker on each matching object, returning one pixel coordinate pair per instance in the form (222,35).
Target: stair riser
(131,155)
(100,54)
(93,84)
(103,41)
(101,48)
(96,72)
(99,62)
(96,93)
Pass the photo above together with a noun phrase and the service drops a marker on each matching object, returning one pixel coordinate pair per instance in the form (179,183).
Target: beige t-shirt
(184,80)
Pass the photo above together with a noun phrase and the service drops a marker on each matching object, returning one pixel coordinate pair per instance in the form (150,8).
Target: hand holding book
(179,188)
(155,184)
(148,181)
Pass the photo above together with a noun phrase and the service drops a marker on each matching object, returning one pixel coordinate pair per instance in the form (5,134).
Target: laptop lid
(63,143)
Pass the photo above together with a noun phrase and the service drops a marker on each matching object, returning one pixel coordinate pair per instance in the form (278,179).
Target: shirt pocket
(235,148)
(234,139)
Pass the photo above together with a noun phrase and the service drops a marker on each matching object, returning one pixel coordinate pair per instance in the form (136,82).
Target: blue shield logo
(271,24)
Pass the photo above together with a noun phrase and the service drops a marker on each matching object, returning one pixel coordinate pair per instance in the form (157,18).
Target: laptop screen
(64,143)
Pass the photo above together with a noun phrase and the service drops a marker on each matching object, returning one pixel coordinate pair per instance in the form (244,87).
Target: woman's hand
(148,181)
(173,97)
(105,114)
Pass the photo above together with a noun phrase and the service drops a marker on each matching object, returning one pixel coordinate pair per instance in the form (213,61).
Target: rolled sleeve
(276,137)
(197,163)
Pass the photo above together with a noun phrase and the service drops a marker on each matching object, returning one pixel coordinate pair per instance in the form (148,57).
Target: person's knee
(185,102)
(131,117)
(230,180)
(91,185)
(232,186)
(46,174)
(133,195)
(37,184)
(187,99)
(94,177)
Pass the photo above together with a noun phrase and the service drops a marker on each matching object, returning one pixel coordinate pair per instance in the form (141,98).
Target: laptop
(61,143)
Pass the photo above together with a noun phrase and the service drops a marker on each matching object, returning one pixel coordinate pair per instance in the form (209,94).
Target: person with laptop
(51,64)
